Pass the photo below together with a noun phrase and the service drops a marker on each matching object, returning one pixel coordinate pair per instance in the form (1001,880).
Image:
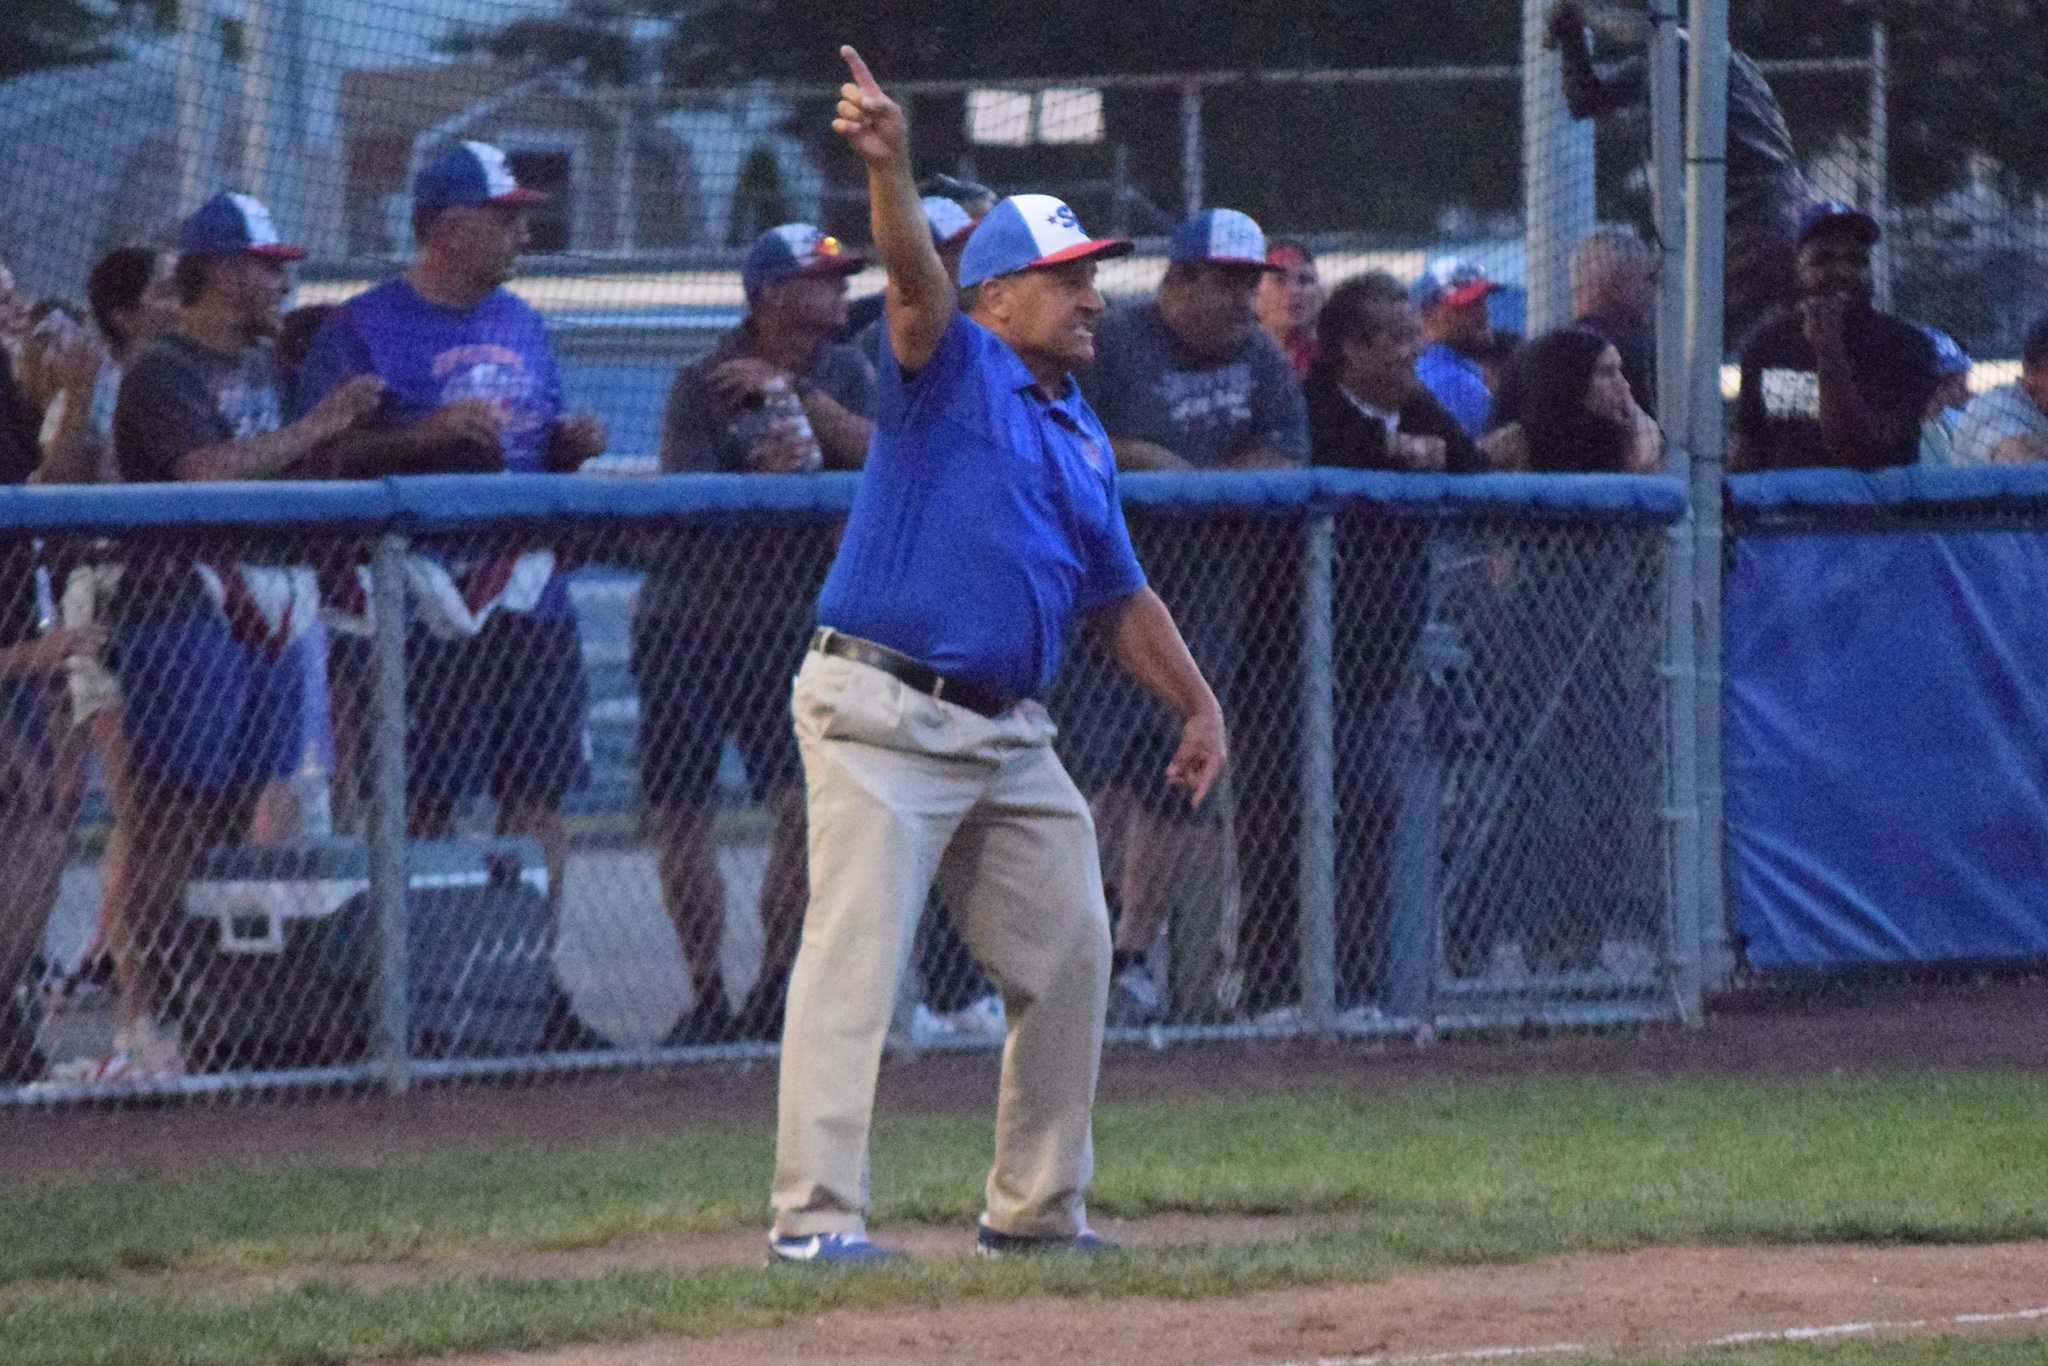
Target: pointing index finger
(862,77)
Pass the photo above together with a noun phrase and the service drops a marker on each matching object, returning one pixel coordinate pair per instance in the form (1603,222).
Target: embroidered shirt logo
(1791,393)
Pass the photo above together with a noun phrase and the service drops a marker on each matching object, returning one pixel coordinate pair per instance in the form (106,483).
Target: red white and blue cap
(231,224)
(1224,236)
(949,221)
(469,173)
(1451,281)
(791,250)
(1029,230)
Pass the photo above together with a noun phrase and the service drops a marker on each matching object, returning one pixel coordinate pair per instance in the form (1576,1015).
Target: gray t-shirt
(1145,386)
(178,397)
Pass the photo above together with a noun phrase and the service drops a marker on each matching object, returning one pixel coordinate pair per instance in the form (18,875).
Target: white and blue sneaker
(827,1249)
(989,1243)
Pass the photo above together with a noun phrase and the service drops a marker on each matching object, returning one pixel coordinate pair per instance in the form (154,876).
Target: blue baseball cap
(1224,236)
(231,224)
(1027,230)
(1450,281)
(949,221)
(1949,358)
(792,250)
(469,173)
(1832,215)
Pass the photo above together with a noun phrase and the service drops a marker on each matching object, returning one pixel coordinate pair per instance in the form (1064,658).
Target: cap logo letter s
(1063,217)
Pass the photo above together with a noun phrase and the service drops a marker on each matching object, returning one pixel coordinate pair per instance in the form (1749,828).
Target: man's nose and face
(1287,298)
(1385,364)
(489,239)
(1211,308)
(258,286)
(1053,311)
(1835,265)
(810,303)
(1459,324)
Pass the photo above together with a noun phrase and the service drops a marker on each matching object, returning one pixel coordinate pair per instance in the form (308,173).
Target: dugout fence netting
(370,825)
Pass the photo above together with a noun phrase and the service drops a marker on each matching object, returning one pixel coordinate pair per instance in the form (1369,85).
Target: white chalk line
(1558,1349)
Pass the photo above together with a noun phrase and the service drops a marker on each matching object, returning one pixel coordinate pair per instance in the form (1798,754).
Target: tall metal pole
(198,108)
(1191,145)
(1557,176)
(389,873)
(1879,190)
(1681,716)
(1706,201)
(1318,876)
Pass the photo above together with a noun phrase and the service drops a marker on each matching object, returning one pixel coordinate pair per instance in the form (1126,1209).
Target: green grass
(1933,1351)
(1424,1176)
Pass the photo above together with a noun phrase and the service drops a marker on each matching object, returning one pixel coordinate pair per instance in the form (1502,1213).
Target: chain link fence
(511,793)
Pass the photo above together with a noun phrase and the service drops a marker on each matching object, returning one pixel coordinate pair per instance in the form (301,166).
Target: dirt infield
(1990,1024)
(1651,1301)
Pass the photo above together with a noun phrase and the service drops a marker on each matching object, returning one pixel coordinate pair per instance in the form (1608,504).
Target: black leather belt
(907,671)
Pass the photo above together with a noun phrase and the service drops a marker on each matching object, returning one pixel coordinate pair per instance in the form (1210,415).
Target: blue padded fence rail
(445,503)
(1913,495)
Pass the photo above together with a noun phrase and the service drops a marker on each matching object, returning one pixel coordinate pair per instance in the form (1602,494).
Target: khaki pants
(905,791)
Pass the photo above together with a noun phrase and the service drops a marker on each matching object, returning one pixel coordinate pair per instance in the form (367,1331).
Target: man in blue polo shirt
(986,523)
(495,690)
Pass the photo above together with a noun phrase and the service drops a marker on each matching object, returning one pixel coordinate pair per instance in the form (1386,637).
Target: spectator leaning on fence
(716,641)
(2009,424)
(1287,299)
(1579,414)
(1189,381)
(34,841)
(211,679)
(1945,410)
(1614,293)
(495,685)
(1367,409)
(1830,380)
(1450,298)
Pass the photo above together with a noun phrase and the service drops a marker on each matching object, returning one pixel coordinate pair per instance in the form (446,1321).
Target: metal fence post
(1706,205)
(1880,162)
(1318,778)
(1557,176)
(388,861)
(1191,145)
(1681,681)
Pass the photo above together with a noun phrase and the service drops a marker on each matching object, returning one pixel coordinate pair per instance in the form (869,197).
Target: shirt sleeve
(694,425)
(163,414)
(951,365)
(1280,416)
(336,356)
(1113,572)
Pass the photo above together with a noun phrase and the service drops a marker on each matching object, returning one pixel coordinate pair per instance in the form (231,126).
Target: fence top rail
(662,96)
(451,503)
(1782,500)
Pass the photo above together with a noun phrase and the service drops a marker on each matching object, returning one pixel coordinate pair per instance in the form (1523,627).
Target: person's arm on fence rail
(1143,638)
(921,296)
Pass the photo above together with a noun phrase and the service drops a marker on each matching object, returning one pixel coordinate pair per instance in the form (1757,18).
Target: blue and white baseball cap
(949,221)
(1224,236)
(1949,358)
(1029,230)
(1452,281)
(1832,216)
(469,173)
(231,224)
(795,249)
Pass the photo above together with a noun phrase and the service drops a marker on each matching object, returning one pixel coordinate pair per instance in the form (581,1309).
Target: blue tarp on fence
(1885,725)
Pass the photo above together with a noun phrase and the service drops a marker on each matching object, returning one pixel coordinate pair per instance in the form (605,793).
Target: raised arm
(920,293)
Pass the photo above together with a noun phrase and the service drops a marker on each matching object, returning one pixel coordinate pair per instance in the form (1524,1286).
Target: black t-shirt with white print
(1777,414)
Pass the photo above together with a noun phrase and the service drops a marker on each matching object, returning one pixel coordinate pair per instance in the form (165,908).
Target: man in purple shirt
(470,385)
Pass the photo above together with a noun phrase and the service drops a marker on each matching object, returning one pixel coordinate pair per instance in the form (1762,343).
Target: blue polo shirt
(986,520)
(1458,383)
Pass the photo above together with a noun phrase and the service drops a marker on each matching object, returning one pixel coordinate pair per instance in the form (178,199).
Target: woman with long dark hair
(1579,415)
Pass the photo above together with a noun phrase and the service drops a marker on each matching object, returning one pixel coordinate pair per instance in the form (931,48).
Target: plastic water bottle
(780,412)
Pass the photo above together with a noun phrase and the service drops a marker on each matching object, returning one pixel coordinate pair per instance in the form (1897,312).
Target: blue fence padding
(1793,492)
(443,503)
(1885,746)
